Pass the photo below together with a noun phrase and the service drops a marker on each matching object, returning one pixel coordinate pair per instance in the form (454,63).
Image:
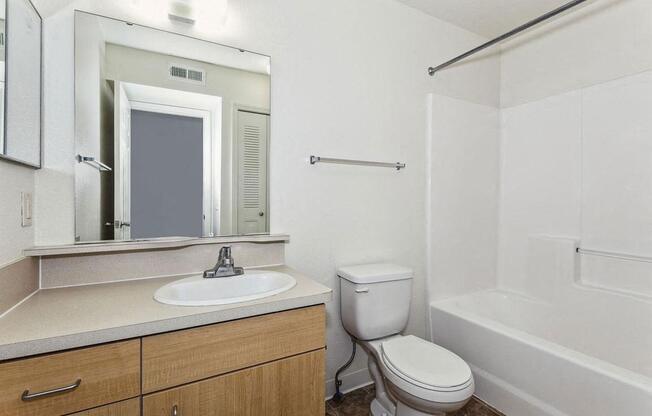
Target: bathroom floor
(356,403)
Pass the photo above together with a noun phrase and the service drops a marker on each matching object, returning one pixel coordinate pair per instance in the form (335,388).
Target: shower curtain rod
(432,70)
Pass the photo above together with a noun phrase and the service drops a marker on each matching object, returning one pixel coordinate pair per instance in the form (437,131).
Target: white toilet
(413,377)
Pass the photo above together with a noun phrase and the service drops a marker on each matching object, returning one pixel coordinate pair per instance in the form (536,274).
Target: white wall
(90,54)
(464,196)
(14,179)
(348,80)
(576,144)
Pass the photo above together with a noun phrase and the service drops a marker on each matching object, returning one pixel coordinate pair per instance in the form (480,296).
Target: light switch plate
(26,209)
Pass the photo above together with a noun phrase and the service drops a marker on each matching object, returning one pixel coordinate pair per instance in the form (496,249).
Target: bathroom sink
(197,291)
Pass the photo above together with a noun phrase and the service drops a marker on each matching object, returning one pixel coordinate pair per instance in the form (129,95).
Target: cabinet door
(127,408)
(290,387)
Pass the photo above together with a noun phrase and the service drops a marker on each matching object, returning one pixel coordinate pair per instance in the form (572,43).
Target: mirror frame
(4,156)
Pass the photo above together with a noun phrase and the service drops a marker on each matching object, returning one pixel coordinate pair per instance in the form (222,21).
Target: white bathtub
(584,357)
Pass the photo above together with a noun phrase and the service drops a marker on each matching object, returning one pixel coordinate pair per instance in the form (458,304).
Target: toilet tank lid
(374,273)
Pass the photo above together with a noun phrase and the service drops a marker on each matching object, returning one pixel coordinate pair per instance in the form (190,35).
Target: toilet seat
(425,364)
(426,370)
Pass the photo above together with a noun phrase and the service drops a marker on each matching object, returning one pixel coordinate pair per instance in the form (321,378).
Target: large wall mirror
(20,82)
(172,134)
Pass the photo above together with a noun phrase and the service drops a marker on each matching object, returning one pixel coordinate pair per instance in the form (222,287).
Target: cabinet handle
(175,410)
(27,396)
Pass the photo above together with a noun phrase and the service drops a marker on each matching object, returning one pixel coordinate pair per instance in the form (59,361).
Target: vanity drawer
(291,387)
(184,356)
(84,378)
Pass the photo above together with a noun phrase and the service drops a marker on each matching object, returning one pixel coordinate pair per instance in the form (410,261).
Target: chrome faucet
(224,266)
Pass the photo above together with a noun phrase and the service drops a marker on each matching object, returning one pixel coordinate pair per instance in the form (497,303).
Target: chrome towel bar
(319,159)
(90,160)
(613,255)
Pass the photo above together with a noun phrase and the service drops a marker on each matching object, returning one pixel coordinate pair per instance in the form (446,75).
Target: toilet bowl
(413,377)
(422,378)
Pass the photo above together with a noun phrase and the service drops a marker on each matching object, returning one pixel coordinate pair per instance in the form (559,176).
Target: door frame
(121,160)
(234,158)
(209,139)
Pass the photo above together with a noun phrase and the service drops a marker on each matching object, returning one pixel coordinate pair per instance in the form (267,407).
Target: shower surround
(561,164)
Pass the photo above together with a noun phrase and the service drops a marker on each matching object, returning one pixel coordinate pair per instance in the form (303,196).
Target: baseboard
(351,381)
(507,398)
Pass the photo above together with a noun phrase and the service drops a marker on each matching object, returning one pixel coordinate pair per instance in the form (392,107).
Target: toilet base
(403,410)
(377,409)
(383,404)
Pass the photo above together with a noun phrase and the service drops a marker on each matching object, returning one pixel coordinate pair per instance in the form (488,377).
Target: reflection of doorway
(251,188)
(167,148)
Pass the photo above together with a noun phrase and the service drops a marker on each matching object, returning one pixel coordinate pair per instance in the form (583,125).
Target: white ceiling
(488,18)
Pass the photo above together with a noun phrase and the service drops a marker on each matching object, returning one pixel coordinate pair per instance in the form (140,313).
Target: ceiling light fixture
(182,11)
(209,13)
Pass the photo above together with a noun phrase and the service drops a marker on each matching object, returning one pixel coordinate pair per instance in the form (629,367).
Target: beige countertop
(71,317)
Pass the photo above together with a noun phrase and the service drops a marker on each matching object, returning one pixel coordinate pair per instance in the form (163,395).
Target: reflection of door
(122,157)
(252,138)
(167,190)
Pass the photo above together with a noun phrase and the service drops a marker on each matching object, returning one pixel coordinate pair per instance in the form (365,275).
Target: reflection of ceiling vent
(184,73)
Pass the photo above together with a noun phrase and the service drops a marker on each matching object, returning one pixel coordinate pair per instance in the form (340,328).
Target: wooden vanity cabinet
(268,365)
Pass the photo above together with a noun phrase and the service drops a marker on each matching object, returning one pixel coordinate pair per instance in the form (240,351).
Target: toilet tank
(375,299)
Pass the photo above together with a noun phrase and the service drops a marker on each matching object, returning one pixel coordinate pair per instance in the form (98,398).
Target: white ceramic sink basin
(197,291)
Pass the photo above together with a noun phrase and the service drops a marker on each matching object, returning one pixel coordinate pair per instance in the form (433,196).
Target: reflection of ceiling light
(181,19)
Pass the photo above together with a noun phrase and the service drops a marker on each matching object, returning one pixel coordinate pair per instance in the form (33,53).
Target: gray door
(166,175)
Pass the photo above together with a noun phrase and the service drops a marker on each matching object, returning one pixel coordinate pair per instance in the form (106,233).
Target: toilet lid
(425,362)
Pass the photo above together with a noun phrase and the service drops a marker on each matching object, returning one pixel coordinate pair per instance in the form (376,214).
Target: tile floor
(356,403)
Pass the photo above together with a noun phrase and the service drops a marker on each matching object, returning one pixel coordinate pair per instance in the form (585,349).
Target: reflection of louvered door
(252,172)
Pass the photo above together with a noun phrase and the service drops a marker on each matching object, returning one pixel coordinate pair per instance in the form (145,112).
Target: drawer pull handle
(27,396)
(175,410)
